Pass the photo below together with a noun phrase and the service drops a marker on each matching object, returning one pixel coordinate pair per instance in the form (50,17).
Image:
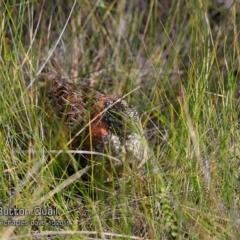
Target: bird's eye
(56,84)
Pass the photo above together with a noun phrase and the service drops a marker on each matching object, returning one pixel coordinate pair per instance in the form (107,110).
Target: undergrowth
(184,55)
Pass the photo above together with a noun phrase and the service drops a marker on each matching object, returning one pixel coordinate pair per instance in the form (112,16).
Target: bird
(96,121)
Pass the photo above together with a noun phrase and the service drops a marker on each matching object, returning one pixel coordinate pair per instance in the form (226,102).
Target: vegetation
(185,57)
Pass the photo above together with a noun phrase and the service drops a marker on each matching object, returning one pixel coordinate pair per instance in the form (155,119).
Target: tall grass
(185,57)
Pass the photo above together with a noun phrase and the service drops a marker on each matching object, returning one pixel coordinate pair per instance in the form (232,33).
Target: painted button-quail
(96,122)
